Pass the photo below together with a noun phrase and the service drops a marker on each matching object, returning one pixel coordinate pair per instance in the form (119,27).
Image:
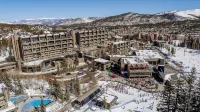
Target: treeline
(182,95)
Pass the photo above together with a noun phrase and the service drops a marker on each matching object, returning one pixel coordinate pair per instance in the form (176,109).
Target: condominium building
(153,58)
(45,46)
(120,47)
(91,38)
(135,67)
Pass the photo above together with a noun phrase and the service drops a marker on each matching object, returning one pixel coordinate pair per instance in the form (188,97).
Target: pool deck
(32,99)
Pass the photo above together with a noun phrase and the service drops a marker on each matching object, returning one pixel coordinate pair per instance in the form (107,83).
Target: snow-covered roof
(36,62)
(101,60)
(133,60)
(146,54)
(119,42)
(109,98)
(116,36)
(120,56)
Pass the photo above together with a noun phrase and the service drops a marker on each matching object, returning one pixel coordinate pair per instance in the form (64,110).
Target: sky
(12,10)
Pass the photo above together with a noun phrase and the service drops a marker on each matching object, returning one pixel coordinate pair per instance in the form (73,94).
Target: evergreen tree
(42,105)
(77,86)
(173,51)
(8,81)
(179,99)
(19,85)
(57,90)
(67,95)
(196,98)
(166,103)
(190,90)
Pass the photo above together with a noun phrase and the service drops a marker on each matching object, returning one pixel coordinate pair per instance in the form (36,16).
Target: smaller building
(153,58)
(86,97)
(109,99)
(135,67)
(102,64)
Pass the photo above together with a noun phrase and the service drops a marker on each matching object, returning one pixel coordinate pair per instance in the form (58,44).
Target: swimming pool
(35,103)
(13,99)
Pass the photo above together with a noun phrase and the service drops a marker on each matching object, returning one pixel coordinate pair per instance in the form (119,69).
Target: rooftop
(118,37)
(146,54)
(36,62)
(133,60)
(109,98)
(85,95)
(100,60)
(119,42)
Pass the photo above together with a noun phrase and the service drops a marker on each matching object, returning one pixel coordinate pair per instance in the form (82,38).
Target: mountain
(188,14)
(135,18)
(122,19)
(53,21)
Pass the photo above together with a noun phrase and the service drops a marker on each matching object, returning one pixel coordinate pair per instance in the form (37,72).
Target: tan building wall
(91,37)
(45,46)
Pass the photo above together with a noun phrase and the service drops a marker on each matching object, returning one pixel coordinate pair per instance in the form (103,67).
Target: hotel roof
(147,54)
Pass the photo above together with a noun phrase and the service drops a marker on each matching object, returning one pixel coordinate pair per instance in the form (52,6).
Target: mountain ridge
(129,18)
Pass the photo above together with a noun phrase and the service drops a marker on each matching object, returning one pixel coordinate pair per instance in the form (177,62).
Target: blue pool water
(13,99)
(35,103)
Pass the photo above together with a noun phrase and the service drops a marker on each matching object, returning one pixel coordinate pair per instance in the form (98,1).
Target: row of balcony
(44,40)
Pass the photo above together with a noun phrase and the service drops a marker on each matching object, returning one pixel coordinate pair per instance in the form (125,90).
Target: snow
(130,99)
(189,13)
(168,76)
(189,59)
(146,54)
(4,54)
(101,60)
(119,42)
(134,60)
(36,62)
(186,14)
(109,98)
(81,64)
(2,86)
(53,107)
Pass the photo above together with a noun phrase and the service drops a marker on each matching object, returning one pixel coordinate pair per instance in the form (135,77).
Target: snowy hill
(135,18)
(54,21)
(122,19)
(187,14)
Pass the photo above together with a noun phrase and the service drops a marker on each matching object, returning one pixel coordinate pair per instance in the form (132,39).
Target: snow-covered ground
(187,58)
(4,54)
(54,106)
(129,99)
(35,87)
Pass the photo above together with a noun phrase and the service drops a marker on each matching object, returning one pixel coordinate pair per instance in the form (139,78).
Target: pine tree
(19,85)
(42,105)
(67,95)
(173,51)
(77,86)
(8,82)
(179,99)
(190,90)
(57,90)
(167,99)
(196,98)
